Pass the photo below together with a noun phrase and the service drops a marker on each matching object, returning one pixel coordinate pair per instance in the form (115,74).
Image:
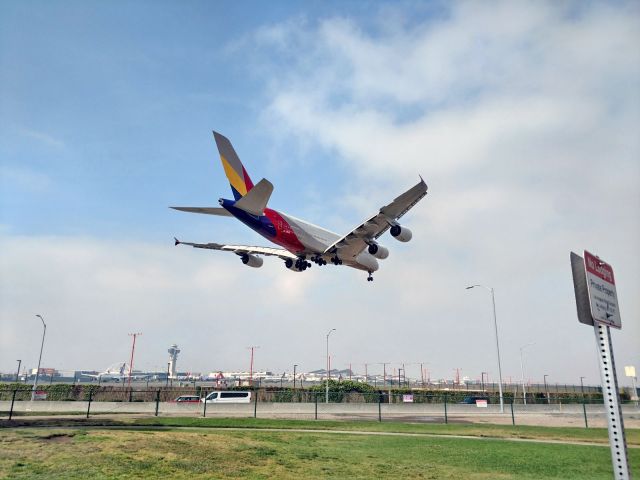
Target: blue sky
(522,117)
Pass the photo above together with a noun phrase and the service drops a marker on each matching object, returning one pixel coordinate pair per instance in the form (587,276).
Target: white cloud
(522,117)
(43,137)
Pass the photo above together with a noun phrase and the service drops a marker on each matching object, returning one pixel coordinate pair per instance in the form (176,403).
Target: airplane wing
(349,246)
(206,210)
(243,249)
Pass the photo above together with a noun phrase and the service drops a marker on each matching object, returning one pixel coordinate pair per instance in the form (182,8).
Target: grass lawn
(197,453)
(596,435)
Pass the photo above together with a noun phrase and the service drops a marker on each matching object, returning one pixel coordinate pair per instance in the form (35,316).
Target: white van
(228,397)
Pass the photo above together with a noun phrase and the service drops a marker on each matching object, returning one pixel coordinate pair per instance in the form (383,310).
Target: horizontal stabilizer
(255,201)
(206,210)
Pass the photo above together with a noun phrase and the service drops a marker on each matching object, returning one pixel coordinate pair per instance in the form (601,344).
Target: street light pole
(327,386)
(582,386)
(482,374)
(294,376)
(18,372)
(495,328)
(524,392)
(35,383)
(546,390)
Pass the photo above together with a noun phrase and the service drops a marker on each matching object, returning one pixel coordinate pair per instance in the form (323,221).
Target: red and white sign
(481,403)
(602,291)
(407,398)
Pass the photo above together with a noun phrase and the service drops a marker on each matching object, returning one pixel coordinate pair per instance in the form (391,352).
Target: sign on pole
(597,305)
(601,284)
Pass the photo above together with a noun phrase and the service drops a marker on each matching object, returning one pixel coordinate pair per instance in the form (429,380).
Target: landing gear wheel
(370,278)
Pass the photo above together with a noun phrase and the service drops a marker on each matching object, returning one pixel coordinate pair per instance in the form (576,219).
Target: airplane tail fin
(238,177)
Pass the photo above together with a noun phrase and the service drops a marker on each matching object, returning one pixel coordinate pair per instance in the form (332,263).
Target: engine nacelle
(378,251)
(251,260)
(292,265)
(402,234)
(367,261)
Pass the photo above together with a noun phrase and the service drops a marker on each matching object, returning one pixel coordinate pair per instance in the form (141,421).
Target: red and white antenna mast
(133,348)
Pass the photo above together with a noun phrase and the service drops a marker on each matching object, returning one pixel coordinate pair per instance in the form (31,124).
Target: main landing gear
(319,261)
(301,264)
(336,261)
(370,277)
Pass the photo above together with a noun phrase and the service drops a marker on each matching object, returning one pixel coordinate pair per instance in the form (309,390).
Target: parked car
(228,397)
(187,399)
(472,399)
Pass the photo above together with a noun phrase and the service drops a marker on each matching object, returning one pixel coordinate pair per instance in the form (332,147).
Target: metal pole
(255,405)
(524,392)
(513,418)
(166,385)
(252,348)
(294,376)
(546,390)
(133,348)
(204,412)
(13,399)
(18,372)
(379,407)
(328,367)
(89,403)
(584,410)
(157,401)
(35,383)
(495,328)
(615,422)
(316,402)
(446,419)
(384,375)
(582,386)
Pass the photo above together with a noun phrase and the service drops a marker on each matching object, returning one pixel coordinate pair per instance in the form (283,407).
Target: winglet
(177,242)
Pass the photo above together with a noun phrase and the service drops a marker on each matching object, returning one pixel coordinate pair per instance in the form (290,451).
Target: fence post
(89,404)
(13,399)
(513,418)
(157,401)
(204,412)
(316,399)
(255,405)
(379,407)
(584,410)
(446,419)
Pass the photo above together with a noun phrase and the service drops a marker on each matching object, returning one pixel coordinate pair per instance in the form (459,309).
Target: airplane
(301,241)
(111,373)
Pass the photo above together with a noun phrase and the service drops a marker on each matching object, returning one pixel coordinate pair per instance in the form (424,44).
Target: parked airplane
(301,240)
(114,373)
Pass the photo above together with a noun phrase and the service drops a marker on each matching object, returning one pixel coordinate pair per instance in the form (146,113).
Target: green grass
(196,453)
(597,435)
(177,450)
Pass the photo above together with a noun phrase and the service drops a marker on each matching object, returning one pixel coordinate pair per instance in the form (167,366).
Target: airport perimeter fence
(87,400)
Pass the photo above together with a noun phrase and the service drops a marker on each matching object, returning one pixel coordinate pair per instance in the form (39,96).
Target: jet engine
(251,260)
(378,251)
(402,234)
(296,265)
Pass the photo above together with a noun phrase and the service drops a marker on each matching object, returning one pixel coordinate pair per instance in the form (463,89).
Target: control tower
(173,358)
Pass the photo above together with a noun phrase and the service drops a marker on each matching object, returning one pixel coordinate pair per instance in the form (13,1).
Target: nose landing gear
(370,277)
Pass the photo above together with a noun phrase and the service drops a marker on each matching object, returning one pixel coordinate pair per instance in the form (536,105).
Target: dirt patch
(57,437)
